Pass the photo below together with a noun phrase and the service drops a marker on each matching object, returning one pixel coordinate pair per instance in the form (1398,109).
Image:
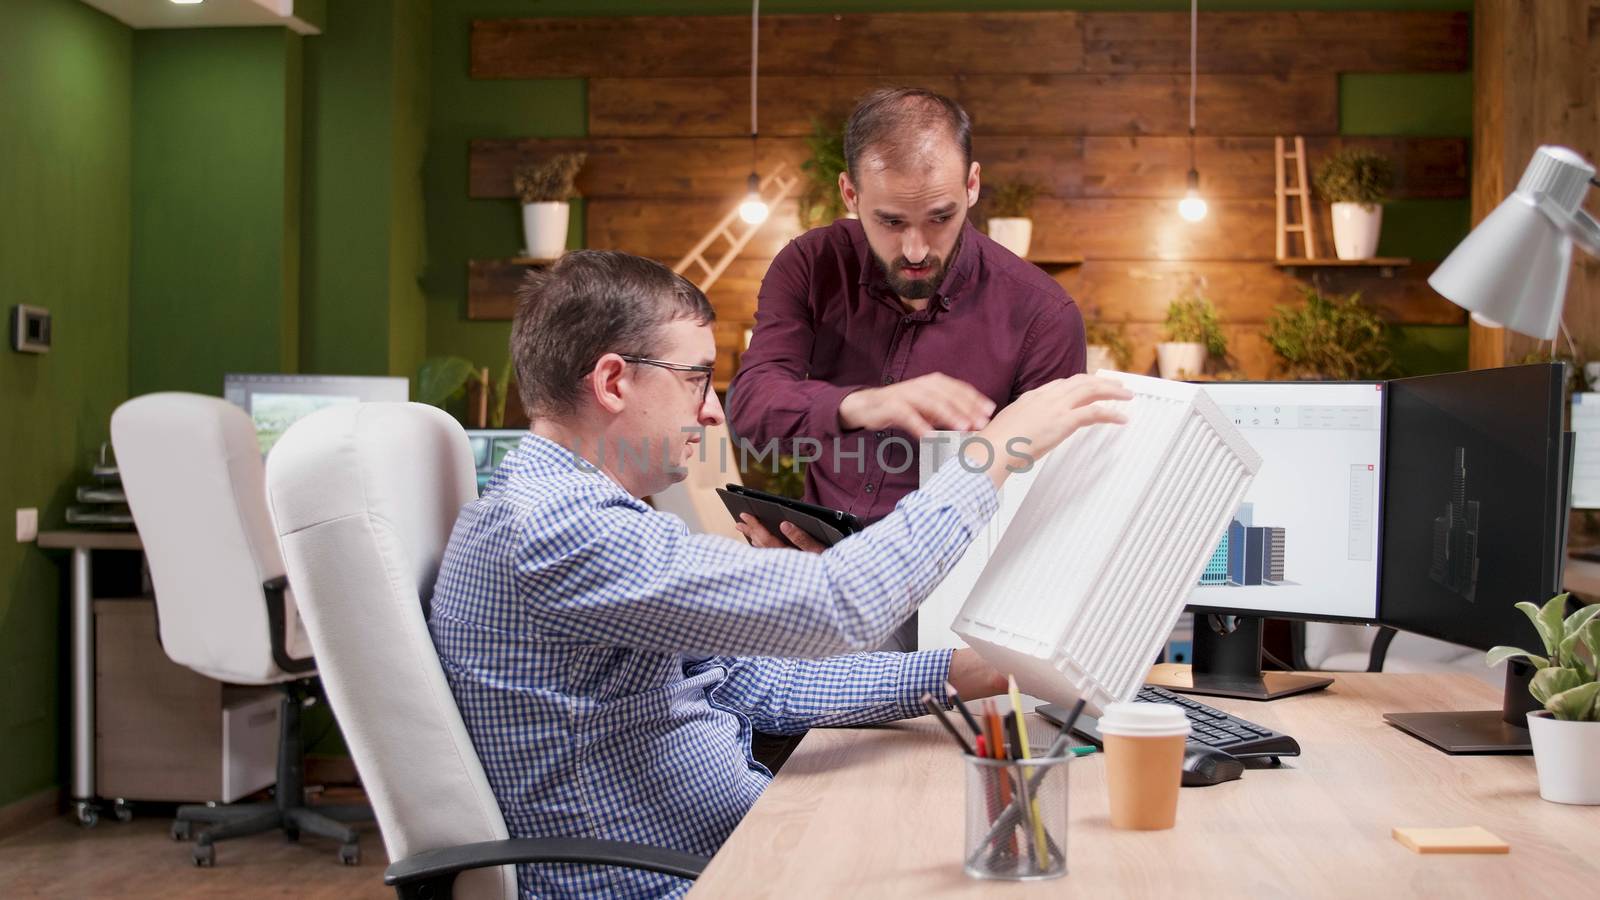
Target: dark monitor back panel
(1474,503)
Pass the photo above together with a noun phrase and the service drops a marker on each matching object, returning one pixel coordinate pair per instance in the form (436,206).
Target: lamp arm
(1577,225)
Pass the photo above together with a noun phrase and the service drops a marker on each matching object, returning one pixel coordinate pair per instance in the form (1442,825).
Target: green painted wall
(216,169)
(366,113)
(461,229)
(65,125)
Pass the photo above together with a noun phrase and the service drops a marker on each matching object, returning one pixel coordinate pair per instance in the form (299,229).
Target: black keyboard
(1209,727)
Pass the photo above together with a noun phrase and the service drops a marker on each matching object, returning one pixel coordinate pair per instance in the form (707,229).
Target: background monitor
(1475,512)
(489,447)
(275,402)
(1586,451)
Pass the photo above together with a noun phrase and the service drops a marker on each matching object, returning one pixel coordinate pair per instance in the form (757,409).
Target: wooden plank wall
(1091,105)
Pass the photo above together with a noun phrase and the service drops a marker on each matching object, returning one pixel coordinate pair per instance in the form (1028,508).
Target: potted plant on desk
(1193,333)
(1566,733)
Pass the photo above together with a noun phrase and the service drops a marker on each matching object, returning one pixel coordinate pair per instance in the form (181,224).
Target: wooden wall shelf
(1384,264)
(492,286)
(1056,262)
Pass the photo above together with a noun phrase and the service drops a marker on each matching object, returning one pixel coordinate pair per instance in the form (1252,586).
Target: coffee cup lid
(1144,720)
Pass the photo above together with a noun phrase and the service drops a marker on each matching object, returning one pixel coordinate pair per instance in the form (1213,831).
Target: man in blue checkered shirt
(610,665)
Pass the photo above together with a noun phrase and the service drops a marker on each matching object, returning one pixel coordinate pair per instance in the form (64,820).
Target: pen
(933,707)
(961,707)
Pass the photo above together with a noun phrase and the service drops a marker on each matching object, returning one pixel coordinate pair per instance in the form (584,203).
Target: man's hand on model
(917,406)
(1042,418)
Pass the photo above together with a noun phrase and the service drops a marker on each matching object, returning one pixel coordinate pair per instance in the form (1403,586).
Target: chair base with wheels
(287,812)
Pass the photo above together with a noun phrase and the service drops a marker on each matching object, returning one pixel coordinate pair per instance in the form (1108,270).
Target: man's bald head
(905,128)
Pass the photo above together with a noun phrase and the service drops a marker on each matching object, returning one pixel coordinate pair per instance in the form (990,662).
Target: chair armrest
(274,588)
(435,870)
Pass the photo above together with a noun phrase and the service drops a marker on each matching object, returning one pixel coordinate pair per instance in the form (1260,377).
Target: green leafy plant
(442,380)
(1192,319)
(549,181)
(1355,175)
(1577,378)
(1111,335)
(1330,338)
(1565,681)
(1011,199)
(820,203)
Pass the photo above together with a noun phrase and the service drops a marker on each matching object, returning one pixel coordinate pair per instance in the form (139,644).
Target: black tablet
(826,526)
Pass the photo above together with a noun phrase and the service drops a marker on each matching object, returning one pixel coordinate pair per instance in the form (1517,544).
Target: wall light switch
(27,525)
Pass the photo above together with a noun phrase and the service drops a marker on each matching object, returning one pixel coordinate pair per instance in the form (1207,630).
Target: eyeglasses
(705,384)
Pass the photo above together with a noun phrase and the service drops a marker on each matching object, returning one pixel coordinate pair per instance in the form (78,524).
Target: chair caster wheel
(350,854)
(122,810)
(292,834)
(180,830)
(205,857)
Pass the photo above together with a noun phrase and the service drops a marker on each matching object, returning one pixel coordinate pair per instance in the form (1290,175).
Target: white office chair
(1355,648)
(191,467)
(364,497)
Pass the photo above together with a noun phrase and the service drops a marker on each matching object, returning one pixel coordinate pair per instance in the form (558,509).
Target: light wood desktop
(877,812)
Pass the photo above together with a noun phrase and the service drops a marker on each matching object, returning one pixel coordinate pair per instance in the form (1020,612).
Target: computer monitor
(1586,451)
(1475,514)
(275,402)
(489,447)
(1304,542)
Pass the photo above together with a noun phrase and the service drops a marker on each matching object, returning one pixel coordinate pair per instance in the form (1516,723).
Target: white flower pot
(1355,229)
(1178,360)
(544,226)
(1098,357)
(1567,757)
(1013,234)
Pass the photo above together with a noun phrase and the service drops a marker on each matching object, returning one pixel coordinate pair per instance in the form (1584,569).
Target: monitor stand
(1229,665)
(1479,731)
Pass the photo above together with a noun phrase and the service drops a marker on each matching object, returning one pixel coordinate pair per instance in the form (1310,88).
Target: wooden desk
(878,813)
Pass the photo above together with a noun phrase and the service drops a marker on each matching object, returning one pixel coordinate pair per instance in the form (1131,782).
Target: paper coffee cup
(1144,763)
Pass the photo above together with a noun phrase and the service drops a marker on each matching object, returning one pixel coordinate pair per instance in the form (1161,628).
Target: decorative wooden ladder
(1302,190)
(778,186)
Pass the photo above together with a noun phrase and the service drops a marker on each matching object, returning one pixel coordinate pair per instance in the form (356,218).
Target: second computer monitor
(1305,541)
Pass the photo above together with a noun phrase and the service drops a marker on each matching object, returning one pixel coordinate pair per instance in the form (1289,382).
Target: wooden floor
(140,859)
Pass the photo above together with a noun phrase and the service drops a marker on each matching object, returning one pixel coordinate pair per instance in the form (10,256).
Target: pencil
(1023,753)
(938,713)
(961,707)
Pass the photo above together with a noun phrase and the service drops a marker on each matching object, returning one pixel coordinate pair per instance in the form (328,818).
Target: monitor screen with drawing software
(275,402)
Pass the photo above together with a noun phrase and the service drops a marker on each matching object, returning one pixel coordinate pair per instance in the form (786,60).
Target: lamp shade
(1511,271)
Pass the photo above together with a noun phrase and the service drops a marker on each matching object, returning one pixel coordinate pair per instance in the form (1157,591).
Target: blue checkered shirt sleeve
(788,696)
(644,582)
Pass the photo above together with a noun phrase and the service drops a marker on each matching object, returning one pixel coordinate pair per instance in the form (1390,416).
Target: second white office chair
(364,497)
(191,467)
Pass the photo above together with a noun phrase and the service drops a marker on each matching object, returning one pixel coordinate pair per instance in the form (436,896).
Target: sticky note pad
(1471,839)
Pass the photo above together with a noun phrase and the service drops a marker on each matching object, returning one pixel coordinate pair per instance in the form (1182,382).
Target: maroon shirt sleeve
(772,397)
(1053,347)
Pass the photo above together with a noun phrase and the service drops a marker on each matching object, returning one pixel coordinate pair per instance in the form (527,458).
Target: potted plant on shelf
(1330,339)
(1193,333)
(1566,733)
(546,191)
(820,203)
(1355,183)
(1108,346)
(1009,204)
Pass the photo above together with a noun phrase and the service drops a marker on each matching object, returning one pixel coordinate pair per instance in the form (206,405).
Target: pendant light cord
(1194,41)
(755,59)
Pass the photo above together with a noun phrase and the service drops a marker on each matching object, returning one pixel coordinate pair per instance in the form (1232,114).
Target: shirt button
(869,488)
(888,379)
(906,321)
(882,434)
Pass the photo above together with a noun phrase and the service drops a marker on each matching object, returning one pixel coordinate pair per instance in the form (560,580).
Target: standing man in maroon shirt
(871,332)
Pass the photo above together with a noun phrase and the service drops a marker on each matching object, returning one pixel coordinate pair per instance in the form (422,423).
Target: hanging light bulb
(753,210)
(1193,206)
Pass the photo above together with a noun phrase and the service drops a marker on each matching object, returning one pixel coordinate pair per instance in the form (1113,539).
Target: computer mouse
(1204,766)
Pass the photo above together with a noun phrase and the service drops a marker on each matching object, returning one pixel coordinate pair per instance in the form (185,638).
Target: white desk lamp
(1511,271)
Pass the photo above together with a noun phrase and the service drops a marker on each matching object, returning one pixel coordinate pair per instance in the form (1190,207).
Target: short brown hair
(888,119)
(590,303)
